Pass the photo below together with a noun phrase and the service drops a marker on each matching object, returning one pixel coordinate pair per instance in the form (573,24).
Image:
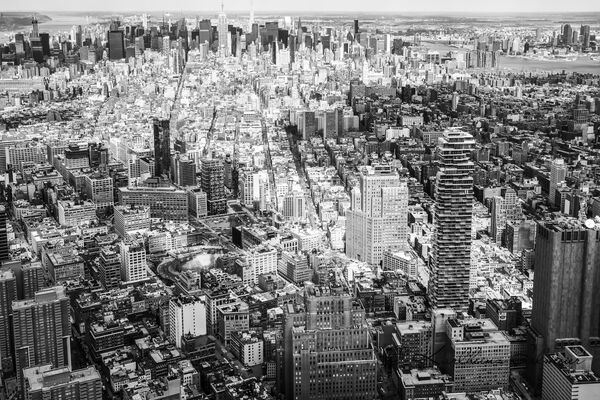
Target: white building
(71,213)
(187,315)
(569,376)
(133,262)
(248,347)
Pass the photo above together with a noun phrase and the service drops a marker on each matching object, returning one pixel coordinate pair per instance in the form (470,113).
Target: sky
(344,6)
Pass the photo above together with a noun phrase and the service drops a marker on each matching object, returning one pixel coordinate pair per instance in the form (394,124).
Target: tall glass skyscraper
(451,255)
(162,147)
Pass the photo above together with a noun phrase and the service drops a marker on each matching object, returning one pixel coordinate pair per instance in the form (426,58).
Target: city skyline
(468,7)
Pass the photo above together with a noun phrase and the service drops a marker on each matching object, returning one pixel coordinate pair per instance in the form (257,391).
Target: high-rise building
(98,187)
(480,358)
(116,45)
(568,375)
(222,30)
(558,173)
(505,209)
(567,34)
(41,331)
(327,350)
(162,147)
(566,286)
(379,223)
(45,382)
(8,294)
(133,262)
(212,183)
(585,33)
(451,253)
(187,316)
(109,267)
(3,235)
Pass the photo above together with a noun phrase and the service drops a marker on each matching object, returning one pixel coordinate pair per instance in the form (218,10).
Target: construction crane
(209,133)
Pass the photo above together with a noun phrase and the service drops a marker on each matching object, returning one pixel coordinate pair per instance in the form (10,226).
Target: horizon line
(308,12)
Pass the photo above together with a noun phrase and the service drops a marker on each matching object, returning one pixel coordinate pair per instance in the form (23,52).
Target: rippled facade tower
(451,254)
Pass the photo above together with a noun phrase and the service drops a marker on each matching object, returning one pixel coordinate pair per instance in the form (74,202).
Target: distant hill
(10,21)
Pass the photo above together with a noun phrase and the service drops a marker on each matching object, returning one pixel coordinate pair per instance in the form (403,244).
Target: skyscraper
(379,222)
(585,32)
(505,209)
(451,253)
(566,286)
(212,183)
(327,350)
(558,173)
(3,235)
(567,34)
(162,147)
(133,262)
(8,294)
(187,315)
(116,45)
(42,331)
(222,30)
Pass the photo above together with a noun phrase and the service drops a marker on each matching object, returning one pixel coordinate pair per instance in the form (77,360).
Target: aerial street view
(269,200)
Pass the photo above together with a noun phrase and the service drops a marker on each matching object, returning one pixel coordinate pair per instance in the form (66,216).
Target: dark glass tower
(116,45)
(162,147)
(451,255)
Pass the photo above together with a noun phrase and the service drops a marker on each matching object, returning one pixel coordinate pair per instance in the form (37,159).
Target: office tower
(520,235)
(43,382)
(567,34)
(232,317)
(109,267)
(292,47)
(379,223)
(585,32)
(45,42)
(480,359)
(34,28)
(30,279)
(355,28)
(327,350)
(222,30)
(505,210)
(568,375)
(294,206)
(41,331)
(184,171)
(414,344)
(212,183)
(133,262)
(8,294)
(197,202)
(3,234)
(116,45)
(251,19)
(558,173)
(566,285)
(451,253)
(162,147)
(187,316)
(98,187)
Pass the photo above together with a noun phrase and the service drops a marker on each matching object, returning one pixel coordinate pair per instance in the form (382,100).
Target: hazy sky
(375,6)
